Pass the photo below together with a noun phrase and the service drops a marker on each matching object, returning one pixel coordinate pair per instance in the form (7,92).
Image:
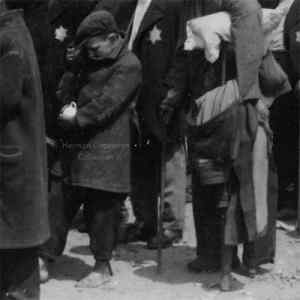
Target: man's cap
(100,22)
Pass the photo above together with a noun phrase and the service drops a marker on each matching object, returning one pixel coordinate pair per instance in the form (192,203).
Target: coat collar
(119,51)
(56,8)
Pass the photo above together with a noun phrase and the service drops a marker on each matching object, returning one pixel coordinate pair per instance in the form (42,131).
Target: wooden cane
(298,206)
(160,208)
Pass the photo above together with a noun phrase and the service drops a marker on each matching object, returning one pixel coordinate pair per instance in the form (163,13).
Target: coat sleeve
(292,37)
(65,92)
(176,81)
(11,80)
(248,39)
(118,92)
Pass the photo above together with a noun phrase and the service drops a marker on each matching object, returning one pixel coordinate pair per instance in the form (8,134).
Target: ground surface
(136,277)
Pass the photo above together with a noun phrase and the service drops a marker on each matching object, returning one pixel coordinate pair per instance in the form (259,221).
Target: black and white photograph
(149,149)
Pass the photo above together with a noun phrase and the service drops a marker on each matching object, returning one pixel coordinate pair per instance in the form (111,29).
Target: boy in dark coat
(23,175)
(103,89)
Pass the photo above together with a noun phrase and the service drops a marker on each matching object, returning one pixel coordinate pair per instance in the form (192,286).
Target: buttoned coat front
(101,152)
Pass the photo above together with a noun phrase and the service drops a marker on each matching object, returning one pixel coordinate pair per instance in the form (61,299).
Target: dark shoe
(251,272)
(199,265)
(166,242)
(175,235)
(135,232)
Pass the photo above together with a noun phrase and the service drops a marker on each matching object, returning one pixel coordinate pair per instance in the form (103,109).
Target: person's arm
(117,93)
(176,81)
(294,52)
(294,48)
(248,40)
(11,80)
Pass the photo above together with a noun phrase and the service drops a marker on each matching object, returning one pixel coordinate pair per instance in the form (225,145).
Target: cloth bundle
(214,102)
(207,32)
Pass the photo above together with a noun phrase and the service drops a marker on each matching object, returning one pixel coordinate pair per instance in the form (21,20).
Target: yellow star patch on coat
(61,33)
(155,35)
(298,36)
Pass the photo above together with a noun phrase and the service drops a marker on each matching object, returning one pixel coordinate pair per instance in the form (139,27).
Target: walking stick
(298,206)
(160,207)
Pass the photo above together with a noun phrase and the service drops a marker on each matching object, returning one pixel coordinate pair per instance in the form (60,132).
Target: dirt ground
(136,277)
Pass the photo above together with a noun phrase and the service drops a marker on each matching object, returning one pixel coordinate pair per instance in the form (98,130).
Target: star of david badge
(298,36)
(155,35)
(61,33)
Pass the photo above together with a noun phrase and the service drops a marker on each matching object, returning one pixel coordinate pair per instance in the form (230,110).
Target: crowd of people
(102,101)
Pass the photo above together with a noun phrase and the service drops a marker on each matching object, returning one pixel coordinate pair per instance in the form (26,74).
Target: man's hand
(262,110)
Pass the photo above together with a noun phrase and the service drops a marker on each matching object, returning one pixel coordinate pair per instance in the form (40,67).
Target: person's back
(23,195)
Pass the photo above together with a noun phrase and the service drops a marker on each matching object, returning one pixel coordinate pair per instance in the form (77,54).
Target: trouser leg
(146,184)
(284,122)
(19,274)
(2,277)
(103,209)
(175,184)
(64,204)
(249,255)
(207,222)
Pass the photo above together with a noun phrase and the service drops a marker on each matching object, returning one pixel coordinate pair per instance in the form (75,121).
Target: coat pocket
(11,171)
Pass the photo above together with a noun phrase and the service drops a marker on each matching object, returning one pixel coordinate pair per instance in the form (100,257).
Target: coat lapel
(154,13)
(56,8)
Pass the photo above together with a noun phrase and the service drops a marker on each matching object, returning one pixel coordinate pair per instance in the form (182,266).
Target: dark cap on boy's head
(100,22)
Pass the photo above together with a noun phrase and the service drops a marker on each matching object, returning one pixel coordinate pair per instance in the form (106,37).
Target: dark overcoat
(36,19)
(155,46)
(65,15)
(23,181)
(292,39)
(101,153)
(122,10)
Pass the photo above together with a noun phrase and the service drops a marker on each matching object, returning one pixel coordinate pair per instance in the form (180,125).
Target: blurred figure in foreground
(23,193)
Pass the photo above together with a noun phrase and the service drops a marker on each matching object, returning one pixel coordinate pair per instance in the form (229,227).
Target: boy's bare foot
(101,275)
(94,279)
(43,269)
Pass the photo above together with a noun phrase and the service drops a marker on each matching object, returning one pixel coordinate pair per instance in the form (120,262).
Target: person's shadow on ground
(68,268)
(174,264)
